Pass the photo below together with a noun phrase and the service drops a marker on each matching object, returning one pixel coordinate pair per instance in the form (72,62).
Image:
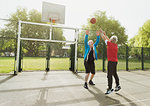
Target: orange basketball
(93,20)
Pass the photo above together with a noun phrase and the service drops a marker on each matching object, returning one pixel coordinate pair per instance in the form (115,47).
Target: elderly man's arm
(106,37)
(102,34)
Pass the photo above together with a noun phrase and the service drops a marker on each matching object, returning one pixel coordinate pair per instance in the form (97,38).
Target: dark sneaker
(109,91)
(85,86)
(117,88)
(91,82)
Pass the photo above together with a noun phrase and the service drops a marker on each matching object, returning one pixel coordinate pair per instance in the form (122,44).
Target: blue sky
(130,13)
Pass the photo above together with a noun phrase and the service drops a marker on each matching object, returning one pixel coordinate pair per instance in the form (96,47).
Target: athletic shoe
(109,91)
(117,88)
(91,82)
(85,86)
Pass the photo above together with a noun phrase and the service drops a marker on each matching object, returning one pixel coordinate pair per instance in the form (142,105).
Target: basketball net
(53,20)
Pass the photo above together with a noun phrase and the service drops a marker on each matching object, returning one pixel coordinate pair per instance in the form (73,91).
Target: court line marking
(134,98)
(135,101)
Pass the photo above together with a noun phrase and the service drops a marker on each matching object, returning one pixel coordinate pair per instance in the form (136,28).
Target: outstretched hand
(104,32)
(106,37)
(87,32)
(97,33)
(101,31)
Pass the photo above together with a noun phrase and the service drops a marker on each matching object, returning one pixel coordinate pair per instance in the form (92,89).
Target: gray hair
(90,41)
(114,38)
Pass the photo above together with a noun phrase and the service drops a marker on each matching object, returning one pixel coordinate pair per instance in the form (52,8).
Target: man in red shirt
(112,50)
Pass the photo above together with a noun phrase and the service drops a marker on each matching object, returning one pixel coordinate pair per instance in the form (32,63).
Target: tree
(108,24)
(7,43)
(142,39)
(30,48)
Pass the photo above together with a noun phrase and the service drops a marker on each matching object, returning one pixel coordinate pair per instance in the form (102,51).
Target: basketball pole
(50,35)
(48,48)
(19,39)
(76,49)
(18,48)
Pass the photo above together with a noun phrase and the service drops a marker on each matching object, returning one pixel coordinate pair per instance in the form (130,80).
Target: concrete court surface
(63,88)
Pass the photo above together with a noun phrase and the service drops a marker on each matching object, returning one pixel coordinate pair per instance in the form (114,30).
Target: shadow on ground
(7,78)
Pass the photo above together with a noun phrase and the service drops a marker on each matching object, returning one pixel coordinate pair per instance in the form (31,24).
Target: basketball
(93,20)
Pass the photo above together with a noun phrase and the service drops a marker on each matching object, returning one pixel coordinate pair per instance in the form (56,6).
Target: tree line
(111,26)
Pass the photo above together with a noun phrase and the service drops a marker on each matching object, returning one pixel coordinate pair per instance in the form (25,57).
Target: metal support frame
(48,57)
(18,48)
(45,40)
(127,57)
(76,49)
(48,49)
(72,58)
(104,56)
(142,58)
(50,33)
(20,57)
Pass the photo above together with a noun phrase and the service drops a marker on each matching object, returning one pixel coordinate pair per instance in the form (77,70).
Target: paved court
(63,88)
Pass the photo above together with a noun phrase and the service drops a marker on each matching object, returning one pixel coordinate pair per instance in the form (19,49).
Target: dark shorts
(89,67)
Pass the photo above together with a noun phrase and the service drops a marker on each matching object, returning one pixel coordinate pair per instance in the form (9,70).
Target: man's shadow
(128,100)
(103,99)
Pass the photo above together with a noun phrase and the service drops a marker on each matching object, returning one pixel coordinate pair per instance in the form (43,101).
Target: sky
(131,14)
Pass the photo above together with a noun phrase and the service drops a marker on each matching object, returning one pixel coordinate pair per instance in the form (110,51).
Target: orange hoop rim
(52,20)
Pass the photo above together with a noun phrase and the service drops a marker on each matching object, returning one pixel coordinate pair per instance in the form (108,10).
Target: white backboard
(53,11)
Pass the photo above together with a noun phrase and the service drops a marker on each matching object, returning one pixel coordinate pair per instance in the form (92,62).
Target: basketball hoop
(53,13)
(52,20)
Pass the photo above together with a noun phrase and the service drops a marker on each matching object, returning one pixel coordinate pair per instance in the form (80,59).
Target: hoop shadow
(45,76)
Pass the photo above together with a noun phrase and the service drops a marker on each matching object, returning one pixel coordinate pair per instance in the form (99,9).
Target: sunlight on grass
(39,63)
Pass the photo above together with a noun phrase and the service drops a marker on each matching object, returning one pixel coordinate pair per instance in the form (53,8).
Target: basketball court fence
(38,52)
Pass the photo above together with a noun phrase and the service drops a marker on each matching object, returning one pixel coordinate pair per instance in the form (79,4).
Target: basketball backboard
(53,13)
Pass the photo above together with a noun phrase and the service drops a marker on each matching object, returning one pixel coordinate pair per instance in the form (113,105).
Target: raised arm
(102,35)
(105,35)
(98,37)
(86,39)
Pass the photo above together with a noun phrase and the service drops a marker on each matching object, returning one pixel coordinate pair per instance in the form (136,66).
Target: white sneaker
(117,88)
(109,91)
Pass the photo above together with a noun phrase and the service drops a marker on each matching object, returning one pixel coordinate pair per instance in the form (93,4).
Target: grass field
(39,63)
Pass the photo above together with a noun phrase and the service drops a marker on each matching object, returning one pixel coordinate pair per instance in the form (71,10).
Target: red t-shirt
(112,50)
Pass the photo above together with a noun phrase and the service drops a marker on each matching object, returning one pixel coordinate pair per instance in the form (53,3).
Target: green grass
(39,63)
(6,64)
(133,64)
(147,64)
(34,63)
